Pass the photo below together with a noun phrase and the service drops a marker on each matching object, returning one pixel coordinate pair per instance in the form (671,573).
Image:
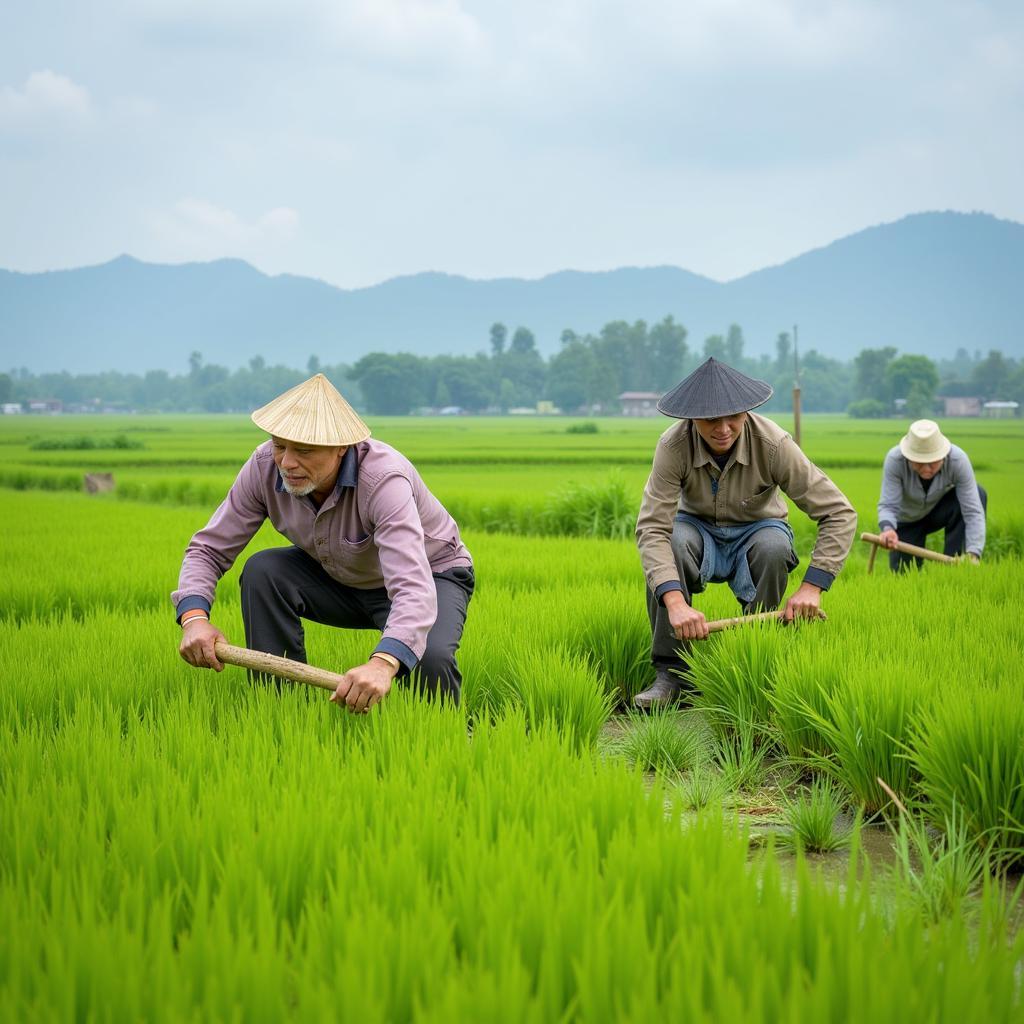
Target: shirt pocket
(761,500)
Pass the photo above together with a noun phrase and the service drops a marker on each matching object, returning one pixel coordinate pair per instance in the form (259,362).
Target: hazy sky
(355,140)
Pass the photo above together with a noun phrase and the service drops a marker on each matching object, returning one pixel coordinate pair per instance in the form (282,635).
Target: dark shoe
(661,693)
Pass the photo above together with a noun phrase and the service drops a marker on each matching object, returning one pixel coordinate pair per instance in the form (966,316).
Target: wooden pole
(909,549)
(796,388)
(272,665)
(743,620)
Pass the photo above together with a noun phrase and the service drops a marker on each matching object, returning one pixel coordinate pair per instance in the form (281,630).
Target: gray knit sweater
(904,500)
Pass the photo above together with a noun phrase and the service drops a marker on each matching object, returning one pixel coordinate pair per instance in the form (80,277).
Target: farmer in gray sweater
(928,485)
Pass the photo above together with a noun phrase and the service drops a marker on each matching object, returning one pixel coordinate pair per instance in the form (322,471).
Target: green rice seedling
(701,787)
(866,729)
(742,758)
(734,674)
(605,509)
(664,741)
(969,751)
(811,817)
(615,635)
(805,676)
(939,872)
(556,688)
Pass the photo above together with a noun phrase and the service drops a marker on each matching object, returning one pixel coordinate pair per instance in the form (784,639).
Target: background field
(175,844)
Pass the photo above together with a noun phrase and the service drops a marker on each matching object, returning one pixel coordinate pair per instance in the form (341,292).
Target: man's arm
(398,537)
(816,495)
(890,500)
(210,553)
(655,521)
(970,502)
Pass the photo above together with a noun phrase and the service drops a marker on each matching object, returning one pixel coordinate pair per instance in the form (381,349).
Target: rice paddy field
(834,831)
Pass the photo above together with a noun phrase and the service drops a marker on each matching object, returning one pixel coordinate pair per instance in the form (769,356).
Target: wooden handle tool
(718,625)
(272,665)
(907,549)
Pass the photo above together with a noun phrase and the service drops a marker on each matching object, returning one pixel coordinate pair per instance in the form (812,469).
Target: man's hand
(804,604)
(687,623)
(197,644)
(889,539)
(365,685)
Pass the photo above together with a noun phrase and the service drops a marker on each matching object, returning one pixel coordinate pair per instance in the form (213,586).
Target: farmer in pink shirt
(371,547)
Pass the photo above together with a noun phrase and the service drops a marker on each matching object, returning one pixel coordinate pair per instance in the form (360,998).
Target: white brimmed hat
(924,442)
(312,412)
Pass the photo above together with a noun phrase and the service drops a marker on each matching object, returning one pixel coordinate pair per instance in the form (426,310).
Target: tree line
(586,375)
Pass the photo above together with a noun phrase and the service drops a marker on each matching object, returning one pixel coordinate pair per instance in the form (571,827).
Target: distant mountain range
(930,283)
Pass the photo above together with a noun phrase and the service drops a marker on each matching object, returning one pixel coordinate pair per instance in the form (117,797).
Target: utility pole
(796,388)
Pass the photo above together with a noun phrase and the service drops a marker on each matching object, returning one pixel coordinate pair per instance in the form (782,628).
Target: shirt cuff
(388,645)
(187,604)
(882,527)
(665,588)
(818,577)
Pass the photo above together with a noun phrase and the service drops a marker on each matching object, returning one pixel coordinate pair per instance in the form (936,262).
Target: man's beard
(298,492)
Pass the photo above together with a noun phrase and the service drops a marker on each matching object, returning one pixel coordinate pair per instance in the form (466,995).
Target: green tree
(6,387)
(667,343)
(992,374)
(391,384)
(913,378)
(869,373)
(734,345)
(714,347)
(783,353)
(499,332)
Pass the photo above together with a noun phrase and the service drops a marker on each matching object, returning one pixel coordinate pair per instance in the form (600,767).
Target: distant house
(639,403)
(1000,410)
(11,408)
(45,406)
(956,405)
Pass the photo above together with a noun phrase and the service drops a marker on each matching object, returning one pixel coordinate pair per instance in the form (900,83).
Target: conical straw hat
(714,390)
(312,412)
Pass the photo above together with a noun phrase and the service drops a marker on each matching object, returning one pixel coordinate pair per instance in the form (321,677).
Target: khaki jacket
(763,460)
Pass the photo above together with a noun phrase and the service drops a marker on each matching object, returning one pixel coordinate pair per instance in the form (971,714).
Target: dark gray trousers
(770,558)
(947,515)
(283,586)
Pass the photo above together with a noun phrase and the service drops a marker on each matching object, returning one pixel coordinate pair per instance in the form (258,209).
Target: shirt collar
(348,474)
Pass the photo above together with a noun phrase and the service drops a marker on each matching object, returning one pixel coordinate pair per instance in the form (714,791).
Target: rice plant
(663,741)
(812,819)
(734,674)
(701,787)
(559,689)
(969,752)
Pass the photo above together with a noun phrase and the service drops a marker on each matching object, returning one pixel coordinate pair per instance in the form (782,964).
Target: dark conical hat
(714,390)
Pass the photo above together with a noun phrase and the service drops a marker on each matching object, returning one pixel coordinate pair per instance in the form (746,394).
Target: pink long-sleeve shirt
(381,527)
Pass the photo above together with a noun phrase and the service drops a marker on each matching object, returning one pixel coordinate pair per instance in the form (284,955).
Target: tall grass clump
(812,818)
(558,689)
(735,674)
(969,751)
(865,730)
(806,675)
(664,741)
(606,509)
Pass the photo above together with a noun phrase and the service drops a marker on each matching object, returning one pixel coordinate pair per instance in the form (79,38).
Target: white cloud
(45,96)
(198,229)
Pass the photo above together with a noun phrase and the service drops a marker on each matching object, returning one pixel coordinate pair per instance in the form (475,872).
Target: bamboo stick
(272,665)
(718,625)
(909,549)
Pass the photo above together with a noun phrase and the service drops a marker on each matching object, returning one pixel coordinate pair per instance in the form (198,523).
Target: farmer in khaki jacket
(712,512)
(371,548)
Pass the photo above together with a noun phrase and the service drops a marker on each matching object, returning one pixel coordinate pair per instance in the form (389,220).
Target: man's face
(720,433)
(926,470)
(307,468)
